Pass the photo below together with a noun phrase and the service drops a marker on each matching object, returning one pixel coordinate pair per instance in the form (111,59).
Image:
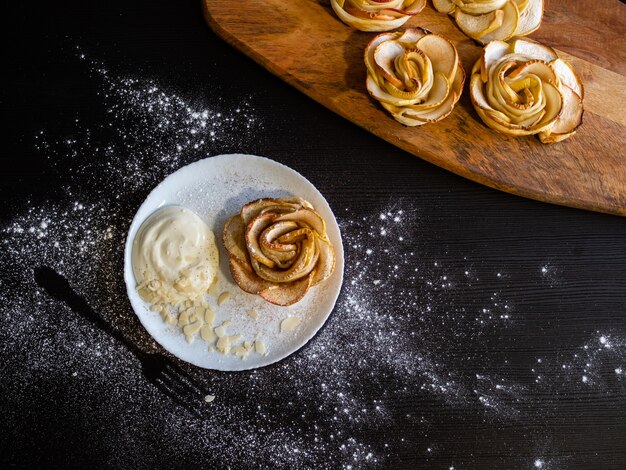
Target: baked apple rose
(376,15)
(278,249)
(490,20)
(415,75)
(524,88)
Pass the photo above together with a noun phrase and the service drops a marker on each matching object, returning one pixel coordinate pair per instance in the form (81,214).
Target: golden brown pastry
(278,249)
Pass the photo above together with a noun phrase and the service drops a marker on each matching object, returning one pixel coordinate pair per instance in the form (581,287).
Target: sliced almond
(223,344)
(206,333)
(220,331)
(183,317)
(289,324)
(191,330)
(224,297)
(259,347)
(209,316)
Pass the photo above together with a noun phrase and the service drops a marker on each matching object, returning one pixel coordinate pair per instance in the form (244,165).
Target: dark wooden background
(43,85)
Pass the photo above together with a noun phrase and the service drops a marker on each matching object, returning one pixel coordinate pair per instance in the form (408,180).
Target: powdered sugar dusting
(403,326)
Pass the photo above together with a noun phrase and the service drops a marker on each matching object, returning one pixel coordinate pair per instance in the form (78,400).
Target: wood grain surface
(302,42)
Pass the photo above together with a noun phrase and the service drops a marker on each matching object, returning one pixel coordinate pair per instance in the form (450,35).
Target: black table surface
(560,356)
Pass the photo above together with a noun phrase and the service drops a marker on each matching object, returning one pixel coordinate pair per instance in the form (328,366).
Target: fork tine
(178,371)
(168,389)
(180,387)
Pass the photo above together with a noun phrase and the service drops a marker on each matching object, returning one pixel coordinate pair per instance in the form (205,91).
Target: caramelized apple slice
(287,294)
(246,278)
(233,237)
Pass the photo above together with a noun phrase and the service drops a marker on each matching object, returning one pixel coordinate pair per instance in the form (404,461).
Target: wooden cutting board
(305,44)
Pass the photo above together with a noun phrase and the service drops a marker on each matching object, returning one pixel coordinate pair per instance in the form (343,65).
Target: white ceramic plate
(215,188)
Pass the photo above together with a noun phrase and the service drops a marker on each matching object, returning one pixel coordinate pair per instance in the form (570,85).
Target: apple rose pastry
(490,20)
(278,249)
(415,75)
(524,88)
(376,15)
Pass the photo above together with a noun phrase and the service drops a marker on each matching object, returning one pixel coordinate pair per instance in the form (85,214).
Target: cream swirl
(525,89)
(376,15)
(415,75)
(174,256)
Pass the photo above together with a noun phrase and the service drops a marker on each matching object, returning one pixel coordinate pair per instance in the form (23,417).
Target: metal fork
(159,370)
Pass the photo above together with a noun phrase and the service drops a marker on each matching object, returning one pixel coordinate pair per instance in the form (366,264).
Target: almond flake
(289,324)
(259,347)
(191,330)
(224,296)
(223,344)
(183,318)
(206,332)
(209,316)
(220,331)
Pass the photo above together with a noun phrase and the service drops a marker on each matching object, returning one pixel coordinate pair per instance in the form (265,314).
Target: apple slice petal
(538,68)
(459,81)
(270,237)
(377,18)
(477,26)
(412,35)
(436,114)
(480,7)
(385,56)
(571,115)
(233,237)
(534,50)
(476,93)
(254,208)
(246,278)
(286,294)
(370,63)
(442,54)
(253,232)
(438,93)
(325,264)
(301,266)
(444,6)
(530,17)
(568,76)
(510,20)
(306,216)
(493,52)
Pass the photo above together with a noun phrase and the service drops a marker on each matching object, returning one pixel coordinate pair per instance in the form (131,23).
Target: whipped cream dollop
(174,256)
